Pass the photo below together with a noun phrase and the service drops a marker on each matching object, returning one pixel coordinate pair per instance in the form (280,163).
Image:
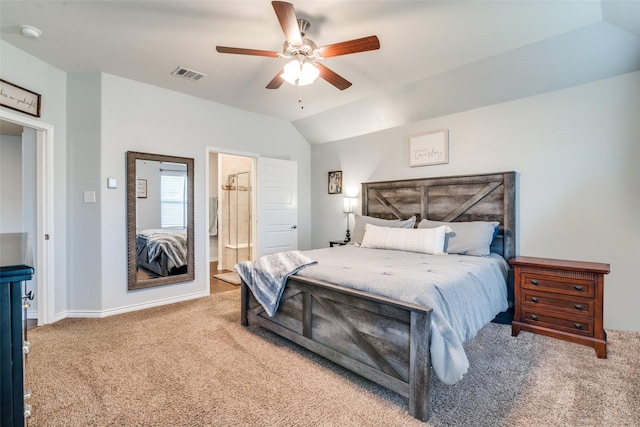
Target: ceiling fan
(304,67)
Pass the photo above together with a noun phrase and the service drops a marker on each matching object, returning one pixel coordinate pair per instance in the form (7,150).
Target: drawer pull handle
(27,410)
(578,325)
(578,306)
(577,287)
(534,317)
(534,299)
(534,282)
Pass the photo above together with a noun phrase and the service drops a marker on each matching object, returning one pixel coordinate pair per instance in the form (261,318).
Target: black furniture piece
(15,268)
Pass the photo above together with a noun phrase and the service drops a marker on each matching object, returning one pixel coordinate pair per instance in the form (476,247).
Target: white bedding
(465,292)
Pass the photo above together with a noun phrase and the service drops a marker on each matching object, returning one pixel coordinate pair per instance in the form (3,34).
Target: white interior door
(277,205)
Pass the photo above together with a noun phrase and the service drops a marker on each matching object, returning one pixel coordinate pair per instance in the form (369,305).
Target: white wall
(83,159)
(141,117)
(577,156)
(10,184)
(51,83)
(108,116)
(148,208)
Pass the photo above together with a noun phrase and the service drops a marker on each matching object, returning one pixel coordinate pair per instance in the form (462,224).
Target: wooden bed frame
(385,340)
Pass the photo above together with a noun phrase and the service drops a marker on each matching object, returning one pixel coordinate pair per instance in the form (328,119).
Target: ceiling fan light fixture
(291,72)
(308,74)
(300,73)
(303,70)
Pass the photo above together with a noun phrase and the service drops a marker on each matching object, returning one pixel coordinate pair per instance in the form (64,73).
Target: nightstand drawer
(548,301)
(566,286)
(574,325)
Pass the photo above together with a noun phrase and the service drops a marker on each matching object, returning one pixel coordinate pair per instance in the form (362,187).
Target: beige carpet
(192,364)
(231,277)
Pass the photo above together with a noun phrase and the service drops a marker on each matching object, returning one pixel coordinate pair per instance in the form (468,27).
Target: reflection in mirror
(160,219)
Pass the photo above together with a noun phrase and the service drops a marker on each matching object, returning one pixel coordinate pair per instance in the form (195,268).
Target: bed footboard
(384,340)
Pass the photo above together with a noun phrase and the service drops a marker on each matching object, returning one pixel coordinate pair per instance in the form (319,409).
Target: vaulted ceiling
(436,57)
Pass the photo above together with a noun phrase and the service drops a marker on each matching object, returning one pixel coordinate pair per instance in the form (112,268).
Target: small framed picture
(141,188)
(429,148)
(335,182)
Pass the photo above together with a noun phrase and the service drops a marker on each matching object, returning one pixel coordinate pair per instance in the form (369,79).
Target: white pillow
(362,220)
(424,240)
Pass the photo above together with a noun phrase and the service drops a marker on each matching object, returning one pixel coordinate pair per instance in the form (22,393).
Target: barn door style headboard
(486,197)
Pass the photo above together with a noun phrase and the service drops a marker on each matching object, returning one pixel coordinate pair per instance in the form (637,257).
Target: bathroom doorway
(232,212)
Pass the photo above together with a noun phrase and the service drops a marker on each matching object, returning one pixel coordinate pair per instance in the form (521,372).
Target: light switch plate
(112,183)
(89,196)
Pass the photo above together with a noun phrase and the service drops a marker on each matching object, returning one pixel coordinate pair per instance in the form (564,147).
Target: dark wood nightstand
(333,243)
(560,299)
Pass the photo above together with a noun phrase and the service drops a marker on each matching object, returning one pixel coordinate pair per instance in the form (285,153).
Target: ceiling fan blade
(333,78)
(241,51)
(288,21)
(353,46)
(277,81)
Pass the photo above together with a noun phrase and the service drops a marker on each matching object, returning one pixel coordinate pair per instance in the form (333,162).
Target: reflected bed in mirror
(159,219)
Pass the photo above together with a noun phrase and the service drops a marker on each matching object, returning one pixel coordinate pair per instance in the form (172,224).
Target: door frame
(254,157)
(44,216)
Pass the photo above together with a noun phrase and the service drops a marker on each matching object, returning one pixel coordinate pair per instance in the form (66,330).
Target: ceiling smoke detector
(29,31)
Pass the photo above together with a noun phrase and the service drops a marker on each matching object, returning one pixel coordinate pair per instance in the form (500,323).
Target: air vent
(188,74)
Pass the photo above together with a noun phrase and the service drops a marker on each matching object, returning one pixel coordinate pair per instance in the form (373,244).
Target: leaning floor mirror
(159,219)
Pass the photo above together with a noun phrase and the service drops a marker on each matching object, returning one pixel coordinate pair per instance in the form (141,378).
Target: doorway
(232,224)
(37,210)
(272,196)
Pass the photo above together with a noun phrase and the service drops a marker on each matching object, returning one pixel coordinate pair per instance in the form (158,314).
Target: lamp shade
(348,204)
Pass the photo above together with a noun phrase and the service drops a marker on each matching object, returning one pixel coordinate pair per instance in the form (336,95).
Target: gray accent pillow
(362,220)
(466,238)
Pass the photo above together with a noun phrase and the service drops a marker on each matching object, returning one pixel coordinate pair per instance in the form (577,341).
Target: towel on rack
(213,216)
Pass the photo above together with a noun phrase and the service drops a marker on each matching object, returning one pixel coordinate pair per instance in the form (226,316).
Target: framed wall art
(19,99)
(141,188)
(335,182)
(429,148)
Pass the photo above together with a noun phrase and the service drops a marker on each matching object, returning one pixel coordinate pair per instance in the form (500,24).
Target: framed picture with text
(429,148)
(19,99)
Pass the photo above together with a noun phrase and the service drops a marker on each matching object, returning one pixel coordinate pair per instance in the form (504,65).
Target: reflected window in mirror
(160,219)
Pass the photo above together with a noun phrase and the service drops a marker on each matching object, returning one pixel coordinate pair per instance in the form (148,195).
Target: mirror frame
(134,283)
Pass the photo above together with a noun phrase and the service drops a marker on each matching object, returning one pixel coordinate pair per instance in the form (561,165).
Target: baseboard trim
(126,309)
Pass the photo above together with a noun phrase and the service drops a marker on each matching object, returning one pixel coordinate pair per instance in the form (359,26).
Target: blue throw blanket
(267,276)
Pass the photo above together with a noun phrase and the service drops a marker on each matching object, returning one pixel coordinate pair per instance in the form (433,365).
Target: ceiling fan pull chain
(300,97)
